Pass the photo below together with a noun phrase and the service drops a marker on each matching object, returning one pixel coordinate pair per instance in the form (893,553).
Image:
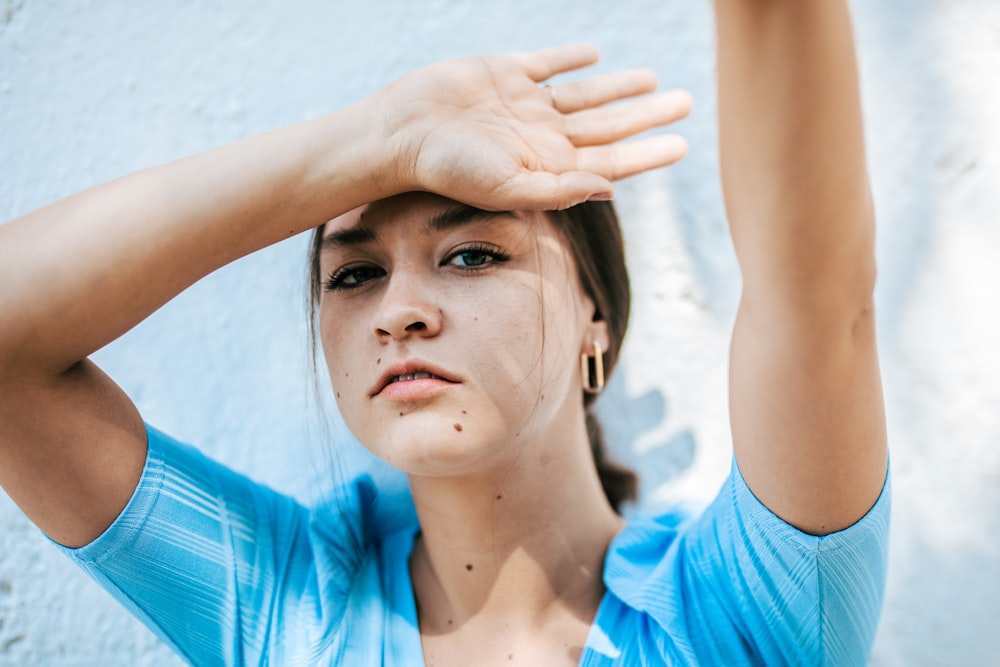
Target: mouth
(415,372)
(419,375)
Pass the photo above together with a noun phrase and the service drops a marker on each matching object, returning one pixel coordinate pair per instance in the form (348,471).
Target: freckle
(510,656)
(400,414)
(499,496)
(468,566)
(378,361)
(475,318)
(450,621)
(458,427)
(338,394)
(464,412)
(542,397)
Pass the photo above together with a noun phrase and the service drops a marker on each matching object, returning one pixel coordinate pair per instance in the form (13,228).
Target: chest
(504,646)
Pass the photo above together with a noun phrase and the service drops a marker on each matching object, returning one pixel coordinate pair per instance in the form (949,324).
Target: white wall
(90,90)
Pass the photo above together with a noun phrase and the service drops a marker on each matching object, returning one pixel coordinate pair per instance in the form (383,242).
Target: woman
(454,334)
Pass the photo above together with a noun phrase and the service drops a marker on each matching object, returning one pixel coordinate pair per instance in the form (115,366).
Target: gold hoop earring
(592,370)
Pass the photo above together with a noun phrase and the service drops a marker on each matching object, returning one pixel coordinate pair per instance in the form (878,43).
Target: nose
(406,309)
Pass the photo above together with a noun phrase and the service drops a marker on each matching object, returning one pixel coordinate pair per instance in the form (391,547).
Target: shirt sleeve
(739,586)
(206,558)
(799,599)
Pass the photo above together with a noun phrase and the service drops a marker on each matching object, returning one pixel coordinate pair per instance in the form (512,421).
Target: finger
(546,63)
(604,125)
(545,191)
(624,160)
(589,93)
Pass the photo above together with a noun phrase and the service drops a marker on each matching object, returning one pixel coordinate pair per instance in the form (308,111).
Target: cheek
(529,342)
(337,344)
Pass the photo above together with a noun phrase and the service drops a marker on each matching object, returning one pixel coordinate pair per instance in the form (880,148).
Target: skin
(506,329)
(805,391)
(806,406)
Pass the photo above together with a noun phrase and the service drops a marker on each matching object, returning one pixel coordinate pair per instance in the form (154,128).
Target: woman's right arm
(81,272)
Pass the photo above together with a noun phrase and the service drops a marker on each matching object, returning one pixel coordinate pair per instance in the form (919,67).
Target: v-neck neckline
(405,639)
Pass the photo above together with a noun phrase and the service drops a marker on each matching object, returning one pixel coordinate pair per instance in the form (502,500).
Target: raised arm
(79,273)
(805,392)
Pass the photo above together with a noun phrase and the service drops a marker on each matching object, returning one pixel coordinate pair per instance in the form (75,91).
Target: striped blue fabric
(229,572)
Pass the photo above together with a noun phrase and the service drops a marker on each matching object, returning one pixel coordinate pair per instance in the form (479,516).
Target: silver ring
(552,95)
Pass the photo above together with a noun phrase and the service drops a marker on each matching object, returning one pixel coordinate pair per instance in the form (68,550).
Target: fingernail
(601,196)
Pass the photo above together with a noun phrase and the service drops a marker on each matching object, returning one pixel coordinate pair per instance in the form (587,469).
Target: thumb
(545,191)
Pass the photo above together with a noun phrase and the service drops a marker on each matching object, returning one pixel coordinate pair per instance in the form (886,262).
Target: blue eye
(477,256)
(349,277)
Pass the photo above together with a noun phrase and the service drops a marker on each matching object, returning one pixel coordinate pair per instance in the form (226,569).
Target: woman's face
(452,335)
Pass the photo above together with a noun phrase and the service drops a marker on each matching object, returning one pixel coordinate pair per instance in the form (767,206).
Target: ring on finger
(552,96)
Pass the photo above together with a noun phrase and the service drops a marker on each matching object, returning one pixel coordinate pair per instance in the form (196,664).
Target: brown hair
(593,235)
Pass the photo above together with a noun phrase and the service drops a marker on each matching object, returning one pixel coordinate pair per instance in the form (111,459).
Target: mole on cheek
(458,427)
(468,566)
(378,361)
(338,394)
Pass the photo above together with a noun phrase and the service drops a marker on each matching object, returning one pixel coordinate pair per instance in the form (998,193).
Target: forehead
(423,213)
(410,208)
(390,209)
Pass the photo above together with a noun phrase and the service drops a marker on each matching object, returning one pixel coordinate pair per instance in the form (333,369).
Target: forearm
(78,274)
(81,272)
(792,149)
(84,270)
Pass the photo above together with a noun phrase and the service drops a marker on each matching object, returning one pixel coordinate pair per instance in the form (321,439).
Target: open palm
(483,131)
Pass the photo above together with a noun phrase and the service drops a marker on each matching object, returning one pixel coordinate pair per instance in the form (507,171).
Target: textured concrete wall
(93,89)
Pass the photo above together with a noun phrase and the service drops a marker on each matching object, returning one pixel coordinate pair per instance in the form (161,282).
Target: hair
(594,238)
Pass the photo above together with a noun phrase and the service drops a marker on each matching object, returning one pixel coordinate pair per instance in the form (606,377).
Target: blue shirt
(229,572)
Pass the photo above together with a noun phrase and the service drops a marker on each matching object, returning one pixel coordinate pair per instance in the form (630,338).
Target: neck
(518,546)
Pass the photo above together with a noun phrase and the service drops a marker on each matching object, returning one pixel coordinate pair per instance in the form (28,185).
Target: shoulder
(254,563)
(734,581)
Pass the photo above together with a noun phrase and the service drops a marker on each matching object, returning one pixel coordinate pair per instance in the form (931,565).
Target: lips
(410,371)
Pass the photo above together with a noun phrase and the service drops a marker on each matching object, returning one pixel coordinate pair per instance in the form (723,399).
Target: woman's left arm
(805,392)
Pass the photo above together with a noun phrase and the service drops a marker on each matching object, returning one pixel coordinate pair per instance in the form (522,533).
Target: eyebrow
(450,218)
(352,236)
(462,214)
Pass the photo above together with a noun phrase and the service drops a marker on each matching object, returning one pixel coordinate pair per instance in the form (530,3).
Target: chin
(423,444)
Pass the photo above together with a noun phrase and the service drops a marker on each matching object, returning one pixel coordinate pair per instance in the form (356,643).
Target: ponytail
(621,484)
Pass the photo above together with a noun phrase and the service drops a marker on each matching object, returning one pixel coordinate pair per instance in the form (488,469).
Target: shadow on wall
(6,642)
(626,419)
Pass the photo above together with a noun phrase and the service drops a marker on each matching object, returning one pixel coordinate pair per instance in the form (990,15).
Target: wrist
(394,131)
(354,158)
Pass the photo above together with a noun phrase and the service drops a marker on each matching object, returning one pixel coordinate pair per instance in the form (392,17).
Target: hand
(484,132)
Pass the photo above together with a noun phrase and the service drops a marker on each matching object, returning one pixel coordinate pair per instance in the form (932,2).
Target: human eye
(476,256)
(351,276)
